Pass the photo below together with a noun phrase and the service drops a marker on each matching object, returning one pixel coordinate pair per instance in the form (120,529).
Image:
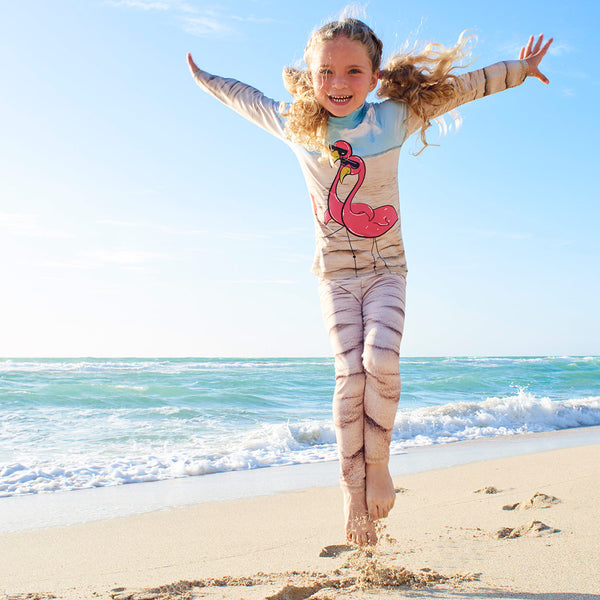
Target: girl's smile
(342,75)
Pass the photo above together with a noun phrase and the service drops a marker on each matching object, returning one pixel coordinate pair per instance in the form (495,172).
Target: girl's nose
(339,81)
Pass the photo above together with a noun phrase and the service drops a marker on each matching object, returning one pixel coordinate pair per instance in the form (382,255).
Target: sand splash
(364,569)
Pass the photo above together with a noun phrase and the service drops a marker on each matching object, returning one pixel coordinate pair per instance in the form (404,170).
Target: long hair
(422,79)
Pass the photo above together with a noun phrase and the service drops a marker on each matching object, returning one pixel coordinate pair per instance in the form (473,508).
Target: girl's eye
(324,71)
(354,71)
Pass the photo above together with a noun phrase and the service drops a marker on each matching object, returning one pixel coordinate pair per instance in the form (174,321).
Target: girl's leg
(342,313)
(383,314)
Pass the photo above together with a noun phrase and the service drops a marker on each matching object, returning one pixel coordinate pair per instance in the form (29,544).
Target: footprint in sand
(488,489)
(534,529)
(538,500)
(334,550)
(296,592)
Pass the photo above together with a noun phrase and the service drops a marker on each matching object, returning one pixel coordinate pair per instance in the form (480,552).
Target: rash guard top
(356,200)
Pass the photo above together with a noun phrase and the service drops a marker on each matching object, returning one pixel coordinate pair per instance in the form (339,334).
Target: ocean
(68,424)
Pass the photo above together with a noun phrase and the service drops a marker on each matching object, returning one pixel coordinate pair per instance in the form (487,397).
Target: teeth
(340,98)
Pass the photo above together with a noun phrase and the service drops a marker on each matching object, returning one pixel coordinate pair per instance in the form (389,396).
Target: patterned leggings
(364,317)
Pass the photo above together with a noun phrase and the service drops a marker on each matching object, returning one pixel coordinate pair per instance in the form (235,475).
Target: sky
(139,217)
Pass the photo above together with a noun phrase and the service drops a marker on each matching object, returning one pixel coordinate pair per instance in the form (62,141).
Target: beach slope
(517,527)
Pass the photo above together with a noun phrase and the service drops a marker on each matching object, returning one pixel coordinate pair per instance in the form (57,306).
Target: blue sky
(138,217)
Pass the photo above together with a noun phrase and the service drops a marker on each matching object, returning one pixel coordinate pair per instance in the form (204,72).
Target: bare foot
(359,527)
(380,491)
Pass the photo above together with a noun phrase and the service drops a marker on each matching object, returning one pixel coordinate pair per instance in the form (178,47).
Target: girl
(348,150)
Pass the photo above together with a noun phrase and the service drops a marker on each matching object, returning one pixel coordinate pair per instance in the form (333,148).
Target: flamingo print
(358,218)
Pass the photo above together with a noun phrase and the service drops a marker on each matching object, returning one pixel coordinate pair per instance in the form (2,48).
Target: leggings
(364,317)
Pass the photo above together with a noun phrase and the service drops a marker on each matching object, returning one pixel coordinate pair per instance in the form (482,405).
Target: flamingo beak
(343,172)
(336,155)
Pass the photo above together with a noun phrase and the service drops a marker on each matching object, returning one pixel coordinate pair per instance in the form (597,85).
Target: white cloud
(97,259)
(560,48)
(243,236)
(121,257)
(153,227)
(253,19)
(27,225)
(197,21)
(512,48)
(206,26)
(258,281)
(143,4)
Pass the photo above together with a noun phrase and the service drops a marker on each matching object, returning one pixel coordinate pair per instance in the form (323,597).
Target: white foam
(275,444)
(149,365)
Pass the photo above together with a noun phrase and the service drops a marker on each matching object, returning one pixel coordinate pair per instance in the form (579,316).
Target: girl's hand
(534,54)
(192,64)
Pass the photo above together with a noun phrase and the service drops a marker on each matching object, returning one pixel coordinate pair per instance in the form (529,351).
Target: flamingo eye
(340,151)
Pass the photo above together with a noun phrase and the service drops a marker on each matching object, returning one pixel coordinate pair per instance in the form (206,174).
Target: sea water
(69,424)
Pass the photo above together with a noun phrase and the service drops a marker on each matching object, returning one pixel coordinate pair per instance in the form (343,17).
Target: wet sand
(514,527)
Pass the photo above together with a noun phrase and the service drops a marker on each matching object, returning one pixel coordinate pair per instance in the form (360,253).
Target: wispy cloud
(28,225)
(105,257)
(141,225)
(513,47)
(121,256)
(206,26)
(560,48)
(296,258)
(258,281)
(241,236)
(143,4)
(244,236)
(253,19)
(200,21)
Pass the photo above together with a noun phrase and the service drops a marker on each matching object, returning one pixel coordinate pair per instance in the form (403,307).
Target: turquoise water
(77,423)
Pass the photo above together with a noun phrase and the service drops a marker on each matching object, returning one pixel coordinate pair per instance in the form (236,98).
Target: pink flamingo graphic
(360,219)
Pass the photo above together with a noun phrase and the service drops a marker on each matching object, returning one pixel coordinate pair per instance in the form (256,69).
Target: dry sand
(524,527)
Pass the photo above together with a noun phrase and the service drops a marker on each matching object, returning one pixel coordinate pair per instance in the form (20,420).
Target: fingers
(532,49)
(542,77)
(529,45)
(546,46)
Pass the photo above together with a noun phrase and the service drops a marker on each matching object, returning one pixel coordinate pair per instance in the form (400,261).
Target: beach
(520,526)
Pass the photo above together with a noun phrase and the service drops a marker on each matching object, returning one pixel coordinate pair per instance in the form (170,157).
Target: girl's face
(342,75)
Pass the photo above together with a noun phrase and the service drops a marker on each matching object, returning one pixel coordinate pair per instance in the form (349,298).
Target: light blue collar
(349,121)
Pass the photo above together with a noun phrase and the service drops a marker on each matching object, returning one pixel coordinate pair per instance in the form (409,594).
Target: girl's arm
(489,80)
(244,99)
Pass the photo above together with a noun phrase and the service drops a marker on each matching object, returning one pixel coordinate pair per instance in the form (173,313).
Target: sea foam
(155,458)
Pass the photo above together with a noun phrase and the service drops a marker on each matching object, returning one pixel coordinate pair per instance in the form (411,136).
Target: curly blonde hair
(422,79)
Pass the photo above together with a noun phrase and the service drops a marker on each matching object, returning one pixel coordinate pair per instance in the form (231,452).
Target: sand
(524,527)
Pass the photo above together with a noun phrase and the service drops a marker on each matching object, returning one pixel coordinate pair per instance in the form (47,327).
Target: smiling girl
(348,150)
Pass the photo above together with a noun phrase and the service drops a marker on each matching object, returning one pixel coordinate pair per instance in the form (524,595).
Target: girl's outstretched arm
(489,80)
(534,54)
(244,99)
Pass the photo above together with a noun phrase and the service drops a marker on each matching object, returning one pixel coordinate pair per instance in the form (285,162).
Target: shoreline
(63,508)
(443,527)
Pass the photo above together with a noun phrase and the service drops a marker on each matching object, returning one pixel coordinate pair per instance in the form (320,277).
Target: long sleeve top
(355,201)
